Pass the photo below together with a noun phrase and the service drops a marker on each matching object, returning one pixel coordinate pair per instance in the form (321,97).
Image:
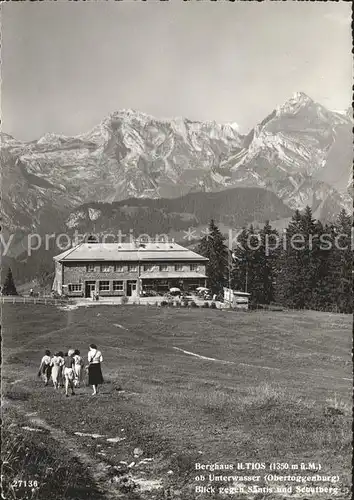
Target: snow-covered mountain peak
(294,104)
(51,138)
(234,126)
(5,138)
(309,111)
(301,97)
(129,114)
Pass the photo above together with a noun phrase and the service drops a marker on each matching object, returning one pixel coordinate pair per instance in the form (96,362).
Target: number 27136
(20,483)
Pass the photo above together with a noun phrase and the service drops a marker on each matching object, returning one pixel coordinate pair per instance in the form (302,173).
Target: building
(114,269)
(236,299)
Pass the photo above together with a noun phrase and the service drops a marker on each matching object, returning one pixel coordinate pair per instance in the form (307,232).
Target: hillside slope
(233,208)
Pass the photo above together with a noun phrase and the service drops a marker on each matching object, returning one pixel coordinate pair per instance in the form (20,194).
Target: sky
(67,65)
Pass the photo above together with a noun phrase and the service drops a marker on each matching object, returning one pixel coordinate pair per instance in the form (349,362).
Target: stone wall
(77,273)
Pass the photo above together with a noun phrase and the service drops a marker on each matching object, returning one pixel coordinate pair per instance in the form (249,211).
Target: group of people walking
(67,370)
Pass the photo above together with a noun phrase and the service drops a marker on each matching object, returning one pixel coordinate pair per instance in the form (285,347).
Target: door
(131,288)
(89,287)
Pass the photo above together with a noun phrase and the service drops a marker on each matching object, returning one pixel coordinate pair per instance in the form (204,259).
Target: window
(148,267)
(118,286)
(75,288)
(118,268)
(90,268)
(194,267)
(179,267)
(132,268)
(105,268)
(104,286)
(163,267)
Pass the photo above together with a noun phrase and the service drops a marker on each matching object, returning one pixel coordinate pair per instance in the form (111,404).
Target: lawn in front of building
(275,387)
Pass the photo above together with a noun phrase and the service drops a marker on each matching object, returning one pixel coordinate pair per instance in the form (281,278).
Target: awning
(174,275)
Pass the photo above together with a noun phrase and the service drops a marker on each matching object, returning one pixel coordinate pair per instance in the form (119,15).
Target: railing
(15,299)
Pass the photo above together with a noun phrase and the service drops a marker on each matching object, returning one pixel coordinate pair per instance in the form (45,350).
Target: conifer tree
(213,246)
(343,263)
(268,256)
(310,257)
(9,287)
(291,265)
(311,269)
(242,259)
(323,282)
(255,263)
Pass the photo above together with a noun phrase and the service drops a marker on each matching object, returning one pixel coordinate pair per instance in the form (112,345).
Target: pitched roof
(128,252)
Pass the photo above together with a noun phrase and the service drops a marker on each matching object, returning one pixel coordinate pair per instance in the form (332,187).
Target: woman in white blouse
(94,368)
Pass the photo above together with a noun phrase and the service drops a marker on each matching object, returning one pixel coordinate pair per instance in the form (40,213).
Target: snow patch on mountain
(75,218)
(94,214)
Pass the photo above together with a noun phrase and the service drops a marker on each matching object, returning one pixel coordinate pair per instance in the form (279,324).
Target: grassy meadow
(278,390)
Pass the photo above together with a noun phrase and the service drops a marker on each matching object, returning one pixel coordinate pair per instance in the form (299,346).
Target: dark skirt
(47,371)
(95,374)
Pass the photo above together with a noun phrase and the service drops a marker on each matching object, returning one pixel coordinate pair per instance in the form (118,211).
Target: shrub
(184,303)
(206,305)
(164,303)
(193,304)
(213,305)
(124,300)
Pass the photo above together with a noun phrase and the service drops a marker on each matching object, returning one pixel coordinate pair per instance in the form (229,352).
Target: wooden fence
(5,299)
(15,299)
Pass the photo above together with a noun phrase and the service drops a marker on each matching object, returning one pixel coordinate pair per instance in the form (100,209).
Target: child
(45,367)
(57,363)
(69,373)
(78,367)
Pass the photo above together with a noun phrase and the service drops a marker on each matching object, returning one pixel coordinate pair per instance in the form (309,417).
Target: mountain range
(301,154)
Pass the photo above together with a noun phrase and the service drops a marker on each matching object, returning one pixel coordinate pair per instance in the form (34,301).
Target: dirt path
(98,469)
(108,480)
(259,366)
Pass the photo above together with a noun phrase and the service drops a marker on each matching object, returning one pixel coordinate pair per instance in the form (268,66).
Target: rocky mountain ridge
(301,152)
